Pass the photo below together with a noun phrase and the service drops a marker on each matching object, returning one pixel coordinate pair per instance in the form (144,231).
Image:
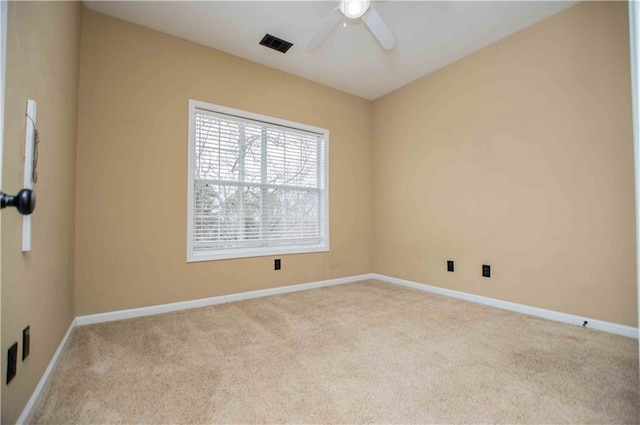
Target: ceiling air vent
(275,43)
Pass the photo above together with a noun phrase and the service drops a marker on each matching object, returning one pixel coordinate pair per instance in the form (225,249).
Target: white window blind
(258,185)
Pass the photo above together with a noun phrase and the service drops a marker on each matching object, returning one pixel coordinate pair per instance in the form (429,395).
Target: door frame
(3,67)
(634,44)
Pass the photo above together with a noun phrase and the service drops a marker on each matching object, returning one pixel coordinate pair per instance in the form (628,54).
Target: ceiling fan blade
(329,24)
(379,29)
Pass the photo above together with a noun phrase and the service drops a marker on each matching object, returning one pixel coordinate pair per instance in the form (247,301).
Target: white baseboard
(205,302)
(26,415)
(600,325)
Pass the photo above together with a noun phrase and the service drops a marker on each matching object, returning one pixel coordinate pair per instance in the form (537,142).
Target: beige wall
(135,84)
(519,156)
(37,288)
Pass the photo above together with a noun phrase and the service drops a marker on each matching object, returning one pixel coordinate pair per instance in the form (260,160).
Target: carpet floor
(366,352)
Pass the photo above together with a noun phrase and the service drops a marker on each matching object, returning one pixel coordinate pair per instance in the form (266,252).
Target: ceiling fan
(350,11)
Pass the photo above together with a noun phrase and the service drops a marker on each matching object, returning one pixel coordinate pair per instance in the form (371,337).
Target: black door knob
(24,201)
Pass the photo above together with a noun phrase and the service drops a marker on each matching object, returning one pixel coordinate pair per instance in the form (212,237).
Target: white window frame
(229,253)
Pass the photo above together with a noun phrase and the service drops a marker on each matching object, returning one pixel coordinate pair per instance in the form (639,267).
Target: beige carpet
(368,352)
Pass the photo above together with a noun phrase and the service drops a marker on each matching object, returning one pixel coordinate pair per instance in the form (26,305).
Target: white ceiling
(431,34)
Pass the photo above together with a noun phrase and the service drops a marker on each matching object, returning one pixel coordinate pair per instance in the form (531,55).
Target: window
(257,185)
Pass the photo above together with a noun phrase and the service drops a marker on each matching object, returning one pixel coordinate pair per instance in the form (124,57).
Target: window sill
(228,254)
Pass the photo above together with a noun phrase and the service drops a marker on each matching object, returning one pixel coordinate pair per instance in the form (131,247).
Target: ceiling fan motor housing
(353,9)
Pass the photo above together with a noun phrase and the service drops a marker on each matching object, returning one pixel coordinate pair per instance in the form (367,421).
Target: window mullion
(263,189)
(284,179)
(241,178)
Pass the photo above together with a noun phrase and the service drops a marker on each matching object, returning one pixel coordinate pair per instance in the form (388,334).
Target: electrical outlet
(449,265)
(276,264)
(486,270)
(26,341)
(12,362)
